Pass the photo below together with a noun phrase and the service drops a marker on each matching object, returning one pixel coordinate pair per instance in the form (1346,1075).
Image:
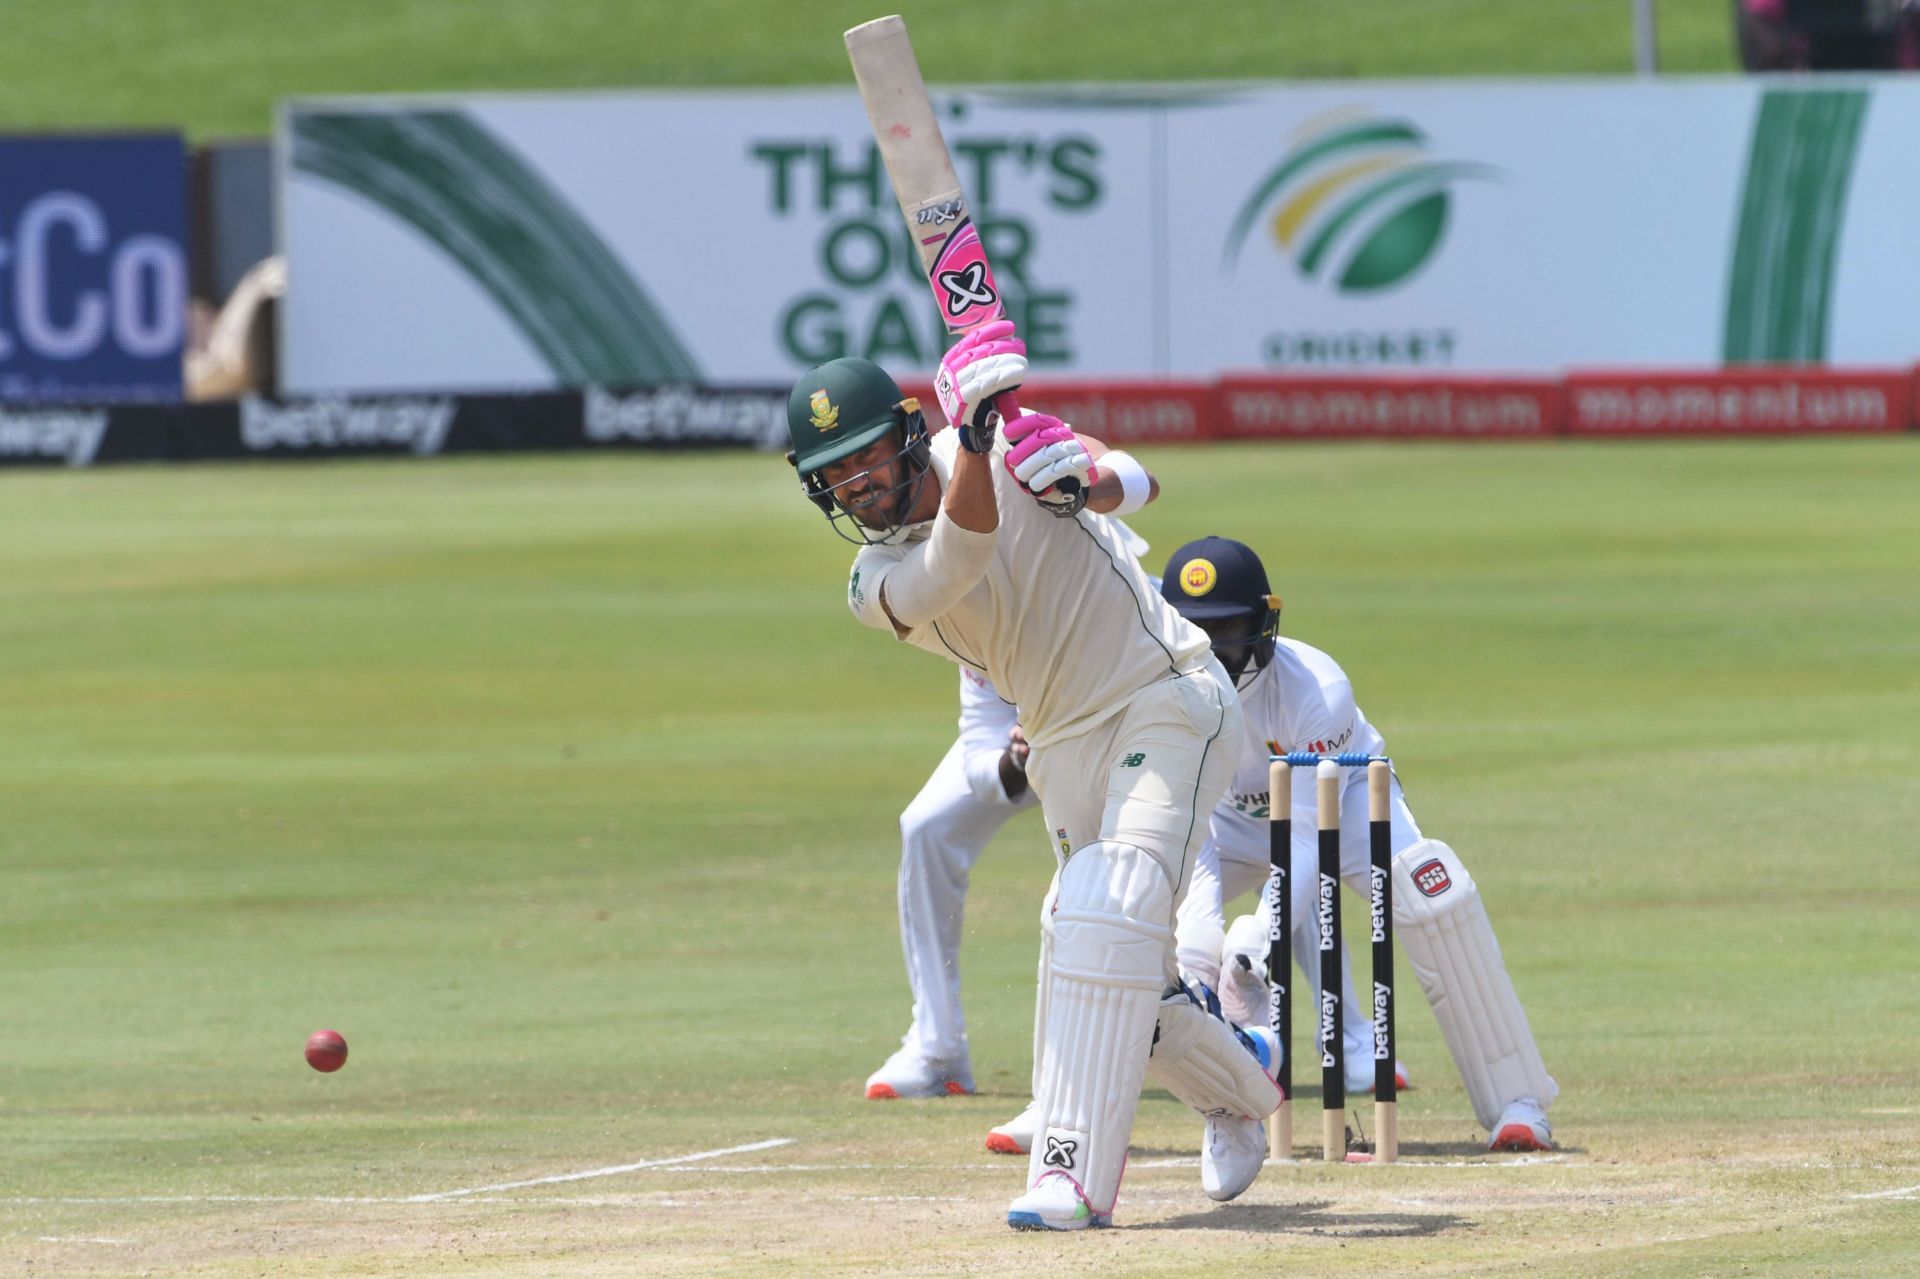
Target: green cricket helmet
(837,409)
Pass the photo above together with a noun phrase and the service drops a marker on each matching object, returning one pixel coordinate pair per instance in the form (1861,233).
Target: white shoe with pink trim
(1055,1203)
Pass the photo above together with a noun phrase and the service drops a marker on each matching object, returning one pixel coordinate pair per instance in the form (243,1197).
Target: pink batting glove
(1045,451)
(981,365)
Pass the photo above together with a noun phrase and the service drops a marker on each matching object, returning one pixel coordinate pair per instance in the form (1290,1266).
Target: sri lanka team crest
(825,415)
(1198,577)
(1355,200)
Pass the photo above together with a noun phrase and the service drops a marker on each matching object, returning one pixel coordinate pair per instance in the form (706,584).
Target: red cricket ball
(326,1050)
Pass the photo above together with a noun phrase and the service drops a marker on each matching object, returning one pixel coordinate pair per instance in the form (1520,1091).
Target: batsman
(978,546)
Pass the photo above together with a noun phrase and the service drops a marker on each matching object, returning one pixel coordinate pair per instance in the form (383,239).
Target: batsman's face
(873,486)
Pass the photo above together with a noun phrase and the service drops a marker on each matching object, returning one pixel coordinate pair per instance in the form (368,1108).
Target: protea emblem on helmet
(825,415)
(1355,201)
(1198,577)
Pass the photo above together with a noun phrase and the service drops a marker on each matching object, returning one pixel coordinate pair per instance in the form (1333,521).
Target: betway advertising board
(738,237)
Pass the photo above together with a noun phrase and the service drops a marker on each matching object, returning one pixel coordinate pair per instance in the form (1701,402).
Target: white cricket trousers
(942,834)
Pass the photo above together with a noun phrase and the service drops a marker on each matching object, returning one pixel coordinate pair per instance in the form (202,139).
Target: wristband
(1135,485)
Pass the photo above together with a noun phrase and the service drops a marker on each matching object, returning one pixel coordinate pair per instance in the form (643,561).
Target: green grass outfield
(565,787)
(218,66)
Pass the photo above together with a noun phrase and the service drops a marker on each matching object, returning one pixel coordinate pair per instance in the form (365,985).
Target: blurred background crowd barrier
(1509,258)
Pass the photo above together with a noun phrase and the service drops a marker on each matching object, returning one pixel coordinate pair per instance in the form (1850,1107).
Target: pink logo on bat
(962,282)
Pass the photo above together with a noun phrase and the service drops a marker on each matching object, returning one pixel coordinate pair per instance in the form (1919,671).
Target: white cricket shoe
(1233,1152)
(1055,1203)
(1234,1149)
(1523,1126)
(910,1073)
(1015,1137)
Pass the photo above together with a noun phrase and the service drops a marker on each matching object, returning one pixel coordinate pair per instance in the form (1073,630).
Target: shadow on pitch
(1316,1218)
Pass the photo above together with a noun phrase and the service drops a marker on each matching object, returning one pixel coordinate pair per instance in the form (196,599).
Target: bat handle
(1009,408)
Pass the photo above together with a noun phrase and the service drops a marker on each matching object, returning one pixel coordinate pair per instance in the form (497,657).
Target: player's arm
(938,573)
(969,500)
(993,749)
(1013,764)
(1121,485)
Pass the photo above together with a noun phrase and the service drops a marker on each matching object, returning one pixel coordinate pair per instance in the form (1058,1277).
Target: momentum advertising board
(1169,232)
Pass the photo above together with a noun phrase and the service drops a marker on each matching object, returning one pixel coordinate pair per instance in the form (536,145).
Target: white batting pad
(1199,1058)
(1112,942)
(1446,936)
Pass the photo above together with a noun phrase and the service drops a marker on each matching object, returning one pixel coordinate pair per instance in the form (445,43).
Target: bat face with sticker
(921,167)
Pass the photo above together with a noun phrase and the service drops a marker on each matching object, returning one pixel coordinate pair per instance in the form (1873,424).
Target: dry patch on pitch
(827,1208)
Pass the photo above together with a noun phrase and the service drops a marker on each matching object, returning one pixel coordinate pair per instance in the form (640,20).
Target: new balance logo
(1134,760)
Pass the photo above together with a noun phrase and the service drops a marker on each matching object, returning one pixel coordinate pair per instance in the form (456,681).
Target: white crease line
(680,1164)
(613,1171)
(125,1200)
(198,1199)
(736,1169)
(1904,1192)
(79,1239)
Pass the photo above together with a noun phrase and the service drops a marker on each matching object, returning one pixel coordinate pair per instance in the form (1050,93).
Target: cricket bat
(924,182)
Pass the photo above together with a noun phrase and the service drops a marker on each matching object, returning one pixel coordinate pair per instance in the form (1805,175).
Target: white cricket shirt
(1065,622)
(1302,701)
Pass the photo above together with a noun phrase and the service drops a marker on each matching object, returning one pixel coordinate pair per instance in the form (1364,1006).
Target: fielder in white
(978,785)
(976,549)
(1296,698)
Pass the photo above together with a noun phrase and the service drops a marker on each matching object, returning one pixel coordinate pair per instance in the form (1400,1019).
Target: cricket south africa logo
(1355,202)
(825,415)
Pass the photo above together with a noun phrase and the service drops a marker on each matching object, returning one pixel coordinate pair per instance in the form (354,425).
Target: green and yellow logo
(825,413)
(1355,200)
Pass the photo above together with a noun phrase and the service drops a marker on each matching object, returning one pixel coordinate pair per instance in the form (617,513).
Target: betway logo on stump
(416,426)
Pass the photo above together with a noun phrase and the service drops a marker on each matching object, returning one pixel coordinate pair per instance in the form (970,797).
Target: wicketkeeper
(976,549)
(979,783)
(1296,698)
